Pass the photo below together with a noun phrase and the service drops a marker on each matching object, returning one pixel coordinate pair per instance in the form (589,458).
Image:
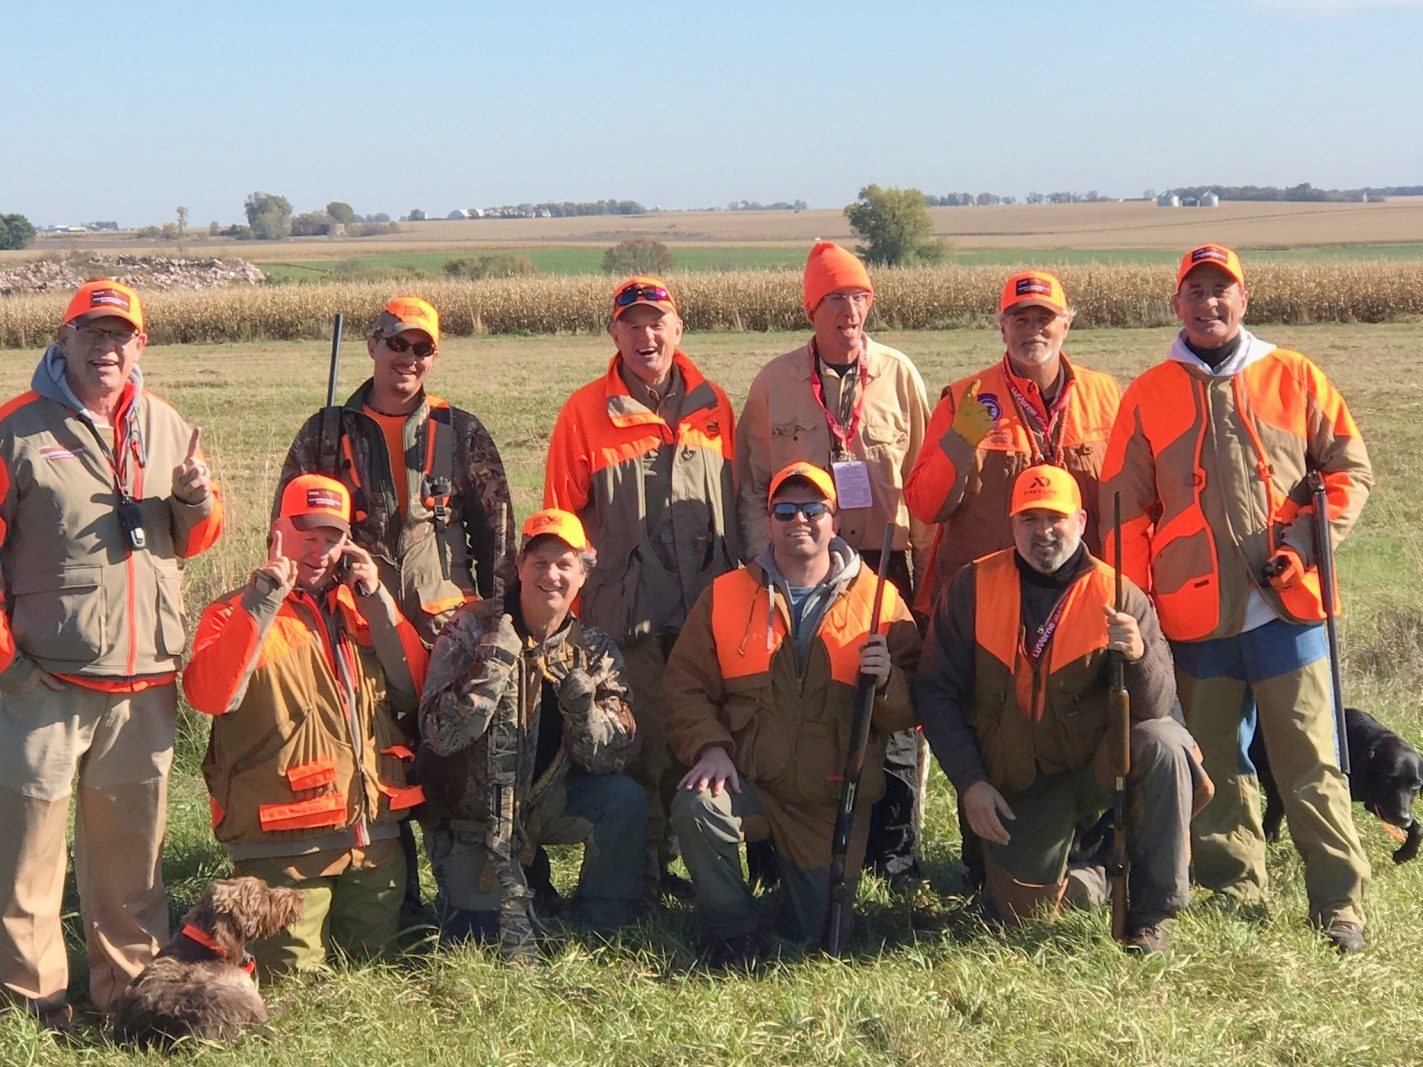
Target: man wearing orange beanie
(858,409)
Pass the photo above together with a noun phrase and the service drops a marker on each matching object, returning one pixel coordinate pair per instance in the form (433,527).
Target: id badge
(852,484)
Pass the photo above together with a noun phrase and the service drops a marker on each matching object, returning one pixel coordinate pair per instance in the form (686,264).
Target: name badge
(852,484)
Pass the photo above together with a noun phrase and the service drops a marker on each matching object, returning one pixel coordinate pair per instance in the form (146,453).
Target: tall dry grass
(912,298)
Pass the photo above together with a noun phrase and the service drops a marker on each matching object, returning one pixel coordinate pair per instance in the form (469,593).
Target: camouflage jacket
(479,715)
(447,549)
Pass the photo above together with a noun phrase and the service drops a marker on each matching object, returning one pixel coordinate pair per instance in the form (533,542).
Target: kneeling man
(304,670)
(761,689)
(1013,695)
(525,730)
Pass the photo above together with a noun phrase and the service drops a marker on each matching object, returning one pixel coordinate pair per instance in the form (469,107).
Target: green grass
(928,983)
(585,259)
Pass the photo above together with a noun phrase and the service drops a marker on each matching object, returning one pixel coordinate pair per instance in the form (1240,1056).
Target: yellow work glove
(972,420)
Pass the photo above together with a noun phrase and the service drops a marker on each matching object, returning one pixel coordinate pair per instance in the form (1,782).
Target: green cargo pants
(355,912)
(1278,675)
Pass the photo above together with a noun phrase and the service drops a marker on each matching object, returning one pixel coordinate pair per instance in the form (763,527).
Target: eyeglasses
(633,293)
(97,335)
(400,344)
(785,510)
(859,299)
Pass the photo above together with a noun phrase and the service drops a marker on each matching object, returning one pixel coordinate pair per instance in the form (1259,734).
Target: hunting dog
(1385,776)
(201,983)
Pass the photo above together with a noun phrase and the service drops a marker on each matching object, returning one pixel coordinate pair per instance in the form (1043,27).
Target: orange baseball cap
(1216,255)
(829,267)
(1033,287)
(1046,486)
(561,524)
(100,297)
(312,500)
(816,476)
(642,289)
(407,313)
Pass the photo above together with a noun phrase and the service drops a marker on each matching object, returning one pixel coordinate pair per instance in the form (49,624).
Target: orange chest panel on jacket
(748,629)
(1087,414)
(998,628)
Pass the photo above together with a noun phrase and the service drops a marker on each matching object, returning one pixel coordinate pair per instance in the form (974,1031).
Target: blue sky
(124,114)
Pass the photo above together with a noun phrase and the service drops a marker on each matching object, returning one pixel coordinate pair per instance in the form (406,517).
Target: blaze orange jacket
(78,599)
(305,753)
(966,490)
(602,442)
(1212,471)
(735,679)
(992,710)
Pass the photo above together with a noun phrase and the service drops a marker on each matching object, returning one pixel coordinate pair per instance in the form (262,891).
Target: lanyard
(128,434)
(842,432)
(1031,414)
(1045,631)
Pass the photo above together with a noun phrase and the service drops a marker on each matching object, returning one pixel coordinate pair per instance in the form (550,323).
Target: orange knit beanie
(830,267)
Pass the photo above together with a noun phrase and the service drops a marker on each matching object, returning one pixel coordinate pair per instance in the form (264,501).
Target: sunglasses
(400,344)
(633,293)
(785,510)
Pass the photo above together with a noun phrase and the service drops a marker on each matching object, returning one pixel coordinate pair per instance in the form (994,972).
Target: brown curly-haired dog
(201,983)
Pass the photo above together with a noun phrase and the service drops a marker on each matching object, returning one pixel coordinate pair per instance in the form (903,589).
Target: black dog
(1385,776)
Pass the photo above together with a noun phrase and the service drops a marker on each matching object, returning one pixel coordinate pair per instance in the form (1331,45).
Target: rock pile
(142,272)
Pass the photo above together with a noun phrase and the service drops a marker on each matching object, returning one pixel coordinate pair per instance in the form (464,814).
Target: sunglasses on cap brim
(641,293)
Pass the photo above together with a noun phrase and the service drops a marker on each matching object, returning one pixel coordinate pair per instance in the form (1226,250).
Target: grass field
(928,983)
(587,259)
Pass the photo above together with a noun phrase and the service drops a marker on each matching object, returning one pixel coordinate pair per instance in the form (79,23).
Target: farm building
(1168,200)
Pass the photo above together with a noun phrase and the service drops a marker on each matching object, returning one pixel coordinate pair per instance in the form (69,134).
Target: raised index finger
(193,443)
(276,552)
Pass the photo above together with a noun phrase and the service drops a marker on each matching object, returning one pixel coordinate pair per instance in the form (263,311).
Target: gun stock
(854,766)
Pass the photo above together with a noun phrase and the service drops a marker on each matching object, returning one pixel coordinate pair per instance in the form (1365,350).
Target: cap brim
(1036,301)
(104,313)
(316,520)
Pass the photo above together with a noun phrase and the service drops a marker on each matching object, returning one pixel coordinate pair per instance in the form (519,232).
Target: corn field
(911,298)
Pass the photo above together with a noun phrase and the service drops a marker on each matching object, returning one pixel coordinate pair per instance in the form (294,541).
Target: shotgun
(506,839)
(1119,745)
(865,684)
(329,441)
(1324,552)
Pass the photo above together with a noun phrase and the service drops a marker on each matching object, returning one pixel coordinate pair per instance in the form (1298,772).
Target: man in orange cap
(103,488)
(304,669)
(426,480)
(525,728)
(643,456)
(761,686)
(857,408)
(1211,454)
(1032,406)
(1012,694)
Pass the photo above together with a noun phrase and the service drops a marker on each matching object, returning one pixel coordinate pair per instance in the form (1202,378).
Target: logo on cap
(1039,482)
(321,498)
(1210,252)
(1030,286)
(108,298)
(538,522)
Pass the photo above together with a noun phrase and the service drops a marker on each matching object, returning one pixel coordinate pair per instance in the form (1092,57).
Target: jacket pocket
(170,625)
(428,578)
(819,763)
(789,441)
(885,432)
(762,746)
(394,757)
(1084,725)
(288,782)
(61,617)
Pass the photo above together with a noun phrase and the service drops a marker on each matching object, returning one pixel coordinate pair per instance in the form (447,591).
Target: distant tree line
(1304,192)
(558,209)
(756,205)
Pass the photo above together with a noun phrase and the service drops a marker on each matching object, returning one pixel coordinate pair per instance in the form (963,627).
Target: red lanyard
(842,433)
(1031,413)
(1045,631)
